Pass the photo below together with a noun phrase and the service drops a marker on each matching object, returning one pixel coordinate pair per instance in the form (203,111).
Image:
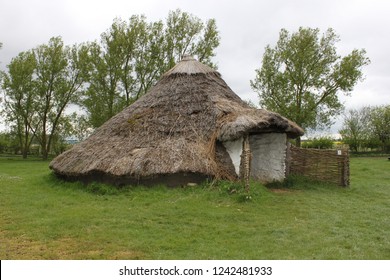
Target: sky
(246,27)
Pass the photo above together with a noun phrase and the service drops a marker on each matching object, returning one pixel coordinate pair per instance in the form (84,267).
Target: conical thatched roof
(172,134)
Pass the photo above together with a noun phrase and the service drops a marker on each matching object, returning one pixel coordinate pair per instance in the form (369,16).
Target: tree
(132,56)
(301,76)
(368,127)
(356,128)
(60,75)
(9,142)
(1,77)
(112,80)
(81,128)
(39,85)
(20,99)
(380,125)
(187,34)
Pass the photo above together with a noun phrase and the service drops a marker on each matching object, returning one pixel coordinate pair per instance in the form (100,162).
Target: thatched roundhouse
(189,127)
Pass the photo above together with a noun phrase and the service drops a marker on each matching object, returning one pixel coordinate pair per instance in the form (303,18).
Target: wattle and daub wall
(268,156)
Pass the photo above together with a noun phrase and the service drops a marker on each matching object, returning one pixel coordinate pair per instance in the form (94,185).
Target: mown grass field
(42,217)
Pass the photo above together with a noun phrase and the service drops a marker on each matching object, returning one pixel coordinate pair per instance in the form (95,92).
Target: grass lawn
(42,217)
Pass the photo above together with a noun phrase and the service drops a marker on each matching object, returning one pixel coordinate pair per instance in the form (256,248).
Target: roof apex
(187,57)
(188,65)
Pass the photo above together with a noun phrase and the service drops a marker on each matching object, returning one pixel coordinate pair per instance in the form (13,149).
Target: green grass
(42,217)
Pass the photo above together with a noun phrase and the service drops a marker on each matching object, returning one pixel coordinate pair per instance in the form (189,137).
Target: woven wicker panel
(323,165)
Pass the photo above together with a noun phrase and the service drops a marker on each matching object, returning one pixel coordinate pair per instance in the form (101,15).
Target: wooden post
(345,174)
(246,163)
(288,159)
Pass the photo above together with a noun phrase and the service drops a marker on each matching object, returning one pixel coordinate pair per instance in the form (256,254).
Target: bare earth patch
(22,248)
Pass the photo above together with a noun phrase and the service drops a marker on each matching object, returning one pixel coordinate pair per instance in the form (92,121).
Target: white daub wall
(234,148)
(268,156)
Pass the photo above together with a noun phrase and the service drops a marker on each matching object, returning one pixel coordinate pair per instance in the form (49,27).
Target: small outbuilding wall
(268,156)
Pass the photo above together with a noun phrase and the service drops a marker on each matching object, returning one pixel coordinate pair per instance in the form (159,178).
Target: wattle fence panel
(318,164)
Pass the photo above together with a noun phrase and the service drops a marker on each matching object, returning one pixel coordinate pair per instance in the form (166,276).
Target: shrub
(319,143)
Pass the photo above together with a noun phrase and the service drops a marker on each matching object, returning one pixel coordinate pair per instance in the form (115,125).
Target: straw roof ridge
(189,65)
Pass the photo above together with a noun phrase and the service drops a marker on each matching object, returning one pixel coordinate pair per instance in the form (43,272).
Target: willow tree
(302,76)
(20,99)
(132,55)
(380,125)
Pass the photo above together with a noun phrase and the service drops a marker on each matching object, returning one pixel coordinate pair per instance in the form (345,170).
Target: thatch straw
(169,131)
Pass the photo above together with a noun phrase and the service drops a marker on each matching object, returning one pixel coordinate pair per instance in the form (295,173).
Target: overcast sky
(246,28)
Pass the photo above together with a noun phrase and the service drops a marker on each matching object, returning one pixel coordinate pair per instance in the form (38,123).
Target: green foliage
(234,188)
(302,75)
(355,131)
(21,100)
(367,128)
(4,142)
(187,34)
(318,143)
(38,87)
(380,124)
(132,55)
(9,144)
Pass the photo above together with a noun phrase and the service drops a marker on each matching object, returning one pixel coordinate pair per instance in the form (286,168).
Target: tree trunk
(298,142)
(25,146)
(44,141)
(24,153)
(45,153)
